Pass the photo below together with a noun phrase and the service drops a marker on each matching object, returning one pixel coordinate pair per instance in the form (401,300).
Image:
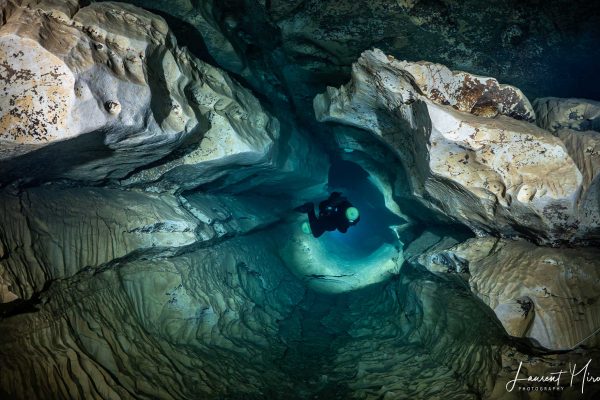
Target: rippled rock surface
(149,246)
(577,123)
(545,294)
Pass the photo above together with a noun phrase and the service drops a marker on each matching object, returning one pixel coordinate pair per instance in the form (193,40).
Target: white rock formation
(469,93)
(562,283)
(497,175)
(113,92)
(577,123)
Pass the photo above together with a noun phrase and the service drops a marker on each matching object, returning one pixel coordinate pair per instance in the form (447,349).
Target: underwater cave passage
(373,229)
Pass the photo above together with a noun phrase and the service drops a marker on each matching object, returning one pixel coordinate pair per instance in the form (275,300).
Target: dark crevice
(187,36)
(24,306)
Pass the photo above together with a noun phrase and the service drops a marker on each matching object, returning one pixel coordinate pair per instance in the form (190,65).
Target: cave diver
(334,213)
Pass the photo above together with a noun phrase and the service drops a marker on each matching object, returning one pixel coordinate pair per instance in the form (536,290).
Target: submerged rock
(171,269)
(496,175)
(55,233)
(584,149)
(577,123)
(95,94)
(198,325)
(67,88)
(289,49)
(113,92)
(516,315)
(330,267)
(557,290)
(409,339)
(555,114)
(466,92)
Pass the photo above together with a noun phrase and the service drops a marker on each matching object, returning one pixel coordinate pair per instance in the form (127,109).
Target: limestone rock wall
(142,188)
(577,123)
(230,320)
(492,173)
(93,82)
(478,95)
(416,339)
(200,324)
(53,234)
(385,170)
(557,289)
(113,92)
(289,49)
(119,278)
(584,148)
(563,284)
(555,114)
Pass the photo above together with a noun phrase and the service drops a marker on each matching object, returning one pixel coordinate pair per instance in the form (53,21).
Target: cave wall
(290,50)
(148,244)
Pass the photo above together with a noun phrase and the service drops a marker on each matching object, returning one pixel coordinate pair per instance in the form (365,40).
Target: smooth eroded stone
(584,149)
(329,266)
(516,315)
(577,123)
(54,233)
(165,328)
(495,174)
(562,283)
(113,92)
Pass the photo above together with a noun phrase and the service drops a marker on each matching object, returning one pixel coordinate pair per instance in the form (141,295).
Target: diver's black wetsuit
(332,215)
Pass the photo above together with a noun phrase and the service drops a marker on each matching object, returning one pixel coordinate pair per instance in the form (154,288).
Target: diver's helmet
(306,228)
(352,214)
